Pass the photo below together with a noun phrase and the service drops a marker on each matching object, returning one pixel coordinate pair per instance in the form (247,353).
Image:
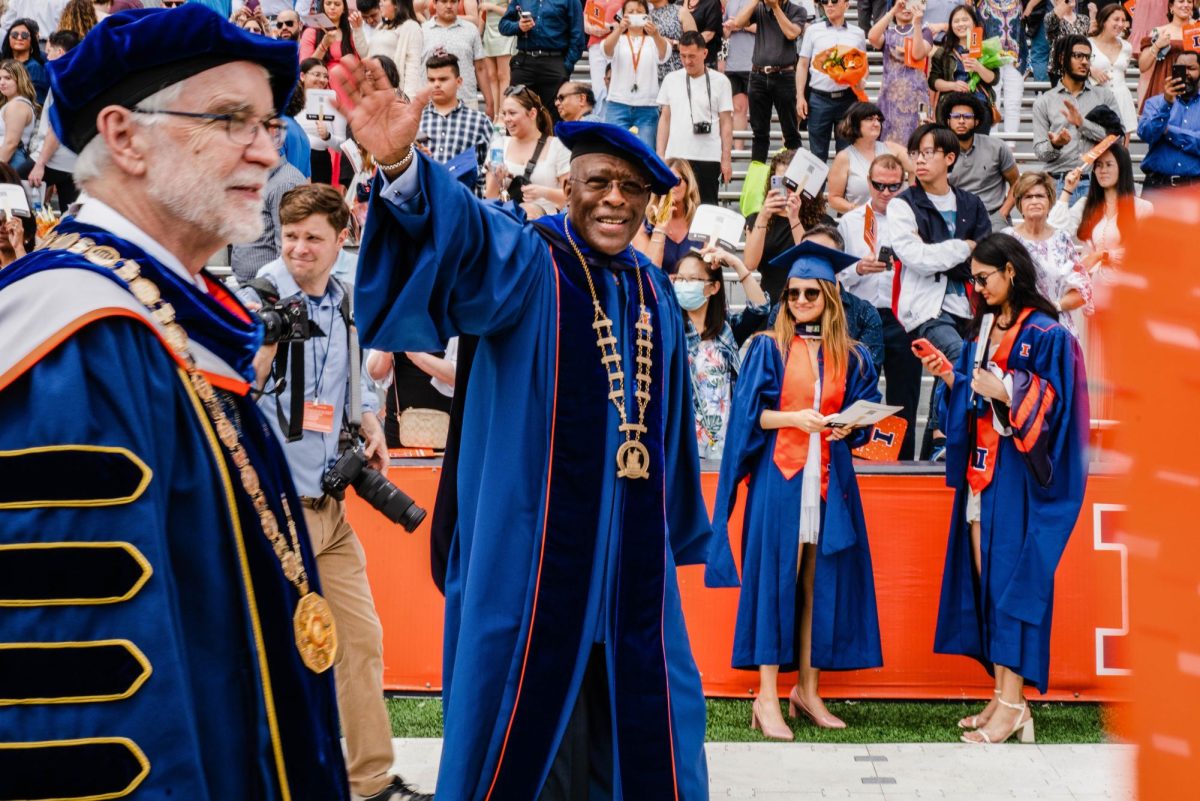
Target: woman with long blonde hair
(78,16)
(807,597)
(664,235)
(18,116)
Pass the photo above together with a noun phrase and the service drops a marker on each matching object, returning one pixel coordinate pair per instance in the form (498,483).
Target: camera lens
(274,326)
(388,499)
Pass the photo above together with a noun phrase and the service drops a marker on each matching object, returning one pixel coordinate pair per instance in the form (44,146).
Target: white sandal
(1024,725)
(973,721)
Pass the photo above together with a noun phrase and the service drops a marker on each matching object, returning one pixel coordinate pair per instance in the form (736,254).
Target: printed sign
(1191,38)
(1096,152)
(975,48)
(806,174)
(870,230)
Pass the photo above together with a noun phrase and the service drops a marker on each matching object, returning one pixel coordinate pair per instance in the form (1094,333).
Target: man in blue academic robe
(567,668)
(160,625)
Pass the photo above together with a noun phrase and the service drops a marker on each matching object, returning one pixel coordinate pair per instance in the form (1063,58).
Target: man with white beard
(166,621)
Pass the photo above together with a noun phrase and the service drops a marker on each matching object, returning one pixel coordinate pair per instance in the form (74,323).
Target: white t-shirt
(947,206)
(683,143)
(819,37)
(63,159)
(620,86)
(554,161)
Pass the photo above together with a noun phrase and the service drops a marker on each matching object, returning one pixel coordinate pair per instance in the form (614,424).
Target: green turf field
(868,721)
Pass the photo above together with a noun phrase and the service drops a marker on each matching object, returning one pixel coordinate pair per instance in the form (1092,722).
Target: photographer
(314,220)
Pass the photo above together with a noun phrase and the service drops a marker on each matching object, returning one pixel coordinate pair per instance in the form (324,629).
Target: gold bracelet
(400,165)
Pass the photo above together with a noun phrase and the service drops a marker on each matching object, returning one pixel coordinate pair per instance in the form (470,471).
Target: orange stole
(791,444)
(986,435)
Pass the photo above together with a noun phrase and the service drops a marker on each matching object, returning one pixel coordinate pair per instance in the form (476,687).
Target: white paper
(318,104)
(982,346)
(806,174)
(717,223)
(862,413)
(317,21)
(13,200)
(351,151)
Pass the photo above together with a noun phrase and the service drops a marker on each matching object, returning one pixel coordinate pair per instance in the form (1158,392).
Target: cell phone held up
(887,256)
(777,184)
(1179,73)
(923,348)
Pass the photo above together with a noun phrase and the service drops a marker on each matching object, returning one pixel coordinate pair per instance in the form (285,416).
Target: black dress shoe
(399,790)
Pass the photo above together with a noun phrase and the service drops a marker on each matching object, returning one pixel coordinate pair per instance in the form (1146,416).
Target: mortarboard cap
(810,260)
(131,55)
(583,138)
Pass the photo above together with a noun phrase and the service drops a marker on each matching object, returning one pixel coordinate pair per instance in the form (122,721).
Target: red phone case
(923,347)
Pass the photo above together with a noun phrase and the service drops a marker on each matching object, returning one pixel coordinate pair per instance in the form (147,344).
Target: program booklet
(862,413)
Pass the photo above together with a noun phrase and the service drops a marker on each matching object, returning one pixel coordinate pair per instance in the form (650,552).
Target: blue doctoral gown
(553,553)
(156,619)
(845,629)
(1027,511)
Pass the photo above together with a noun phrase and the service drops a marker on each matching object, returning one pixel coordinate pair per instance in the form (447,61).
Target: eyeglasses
(980,279)
(829,2)
(172,3)
(881,187)
(241,128)
(923,154)
(19,35)
(1032,196)
(876,117)
(961,115)
(1079,56)
(792,294)
(285,23)
(630,189)
(565,95)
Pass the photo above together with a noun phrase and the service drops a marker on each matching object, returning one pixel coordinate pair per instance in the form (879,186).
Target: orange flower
(845,65)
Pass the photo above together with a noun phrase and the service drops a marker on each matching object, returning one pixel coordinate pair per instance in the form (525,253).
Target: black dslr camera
(284,320)
(350,470)
(701,128)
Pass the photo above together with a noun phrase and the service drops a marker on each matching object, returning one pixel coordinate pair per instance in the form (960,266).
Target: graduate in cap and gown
(162,629)
(807,596)
(1016,455)
(566,667)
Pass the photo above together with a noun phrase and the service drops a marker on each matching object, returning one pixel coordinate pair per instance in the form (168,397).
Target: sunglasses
(980,279)
(20,35)
(285,23)
(565,95)
(960,115)
(881,187)
(515,89)
(793,294)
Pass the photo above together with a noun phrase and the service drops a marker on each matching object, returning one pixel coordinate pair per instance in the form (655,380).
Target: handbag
(423,428)
(516,184)
(20,161)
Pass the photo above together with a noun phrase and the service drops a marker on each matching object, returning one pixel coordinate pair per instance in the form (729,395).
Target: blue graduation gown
(845,629)
(228,711)
(552,553)
(1027,511)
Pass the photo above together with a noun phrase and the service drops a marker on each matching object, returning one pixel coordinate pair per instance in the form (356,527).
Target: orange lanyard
(637,57)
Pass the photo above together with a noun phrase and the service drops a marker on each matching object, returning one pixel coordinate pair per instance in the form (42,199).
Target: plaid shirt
(451,134)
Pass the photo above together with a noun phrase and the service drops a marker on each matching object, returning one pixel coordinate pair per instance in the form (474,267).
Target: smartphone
(923,347)
(921,109)
(638,20)
(887,256)
(1179,73)
(777,184)
(526,15)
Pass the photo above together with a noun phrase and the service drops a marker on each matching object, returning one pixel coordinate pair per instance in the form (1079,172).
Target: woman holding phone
(807,597)
(345,37)
(635,48)
(1016,455)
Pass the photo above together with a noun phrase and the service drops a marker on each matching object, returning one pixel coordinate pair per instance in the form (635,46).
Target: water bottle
(496,149)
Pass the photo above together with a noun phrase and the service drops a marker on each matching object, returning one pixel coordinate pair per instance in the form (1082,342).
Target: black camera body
(350,470)
(702,128)
(283,319)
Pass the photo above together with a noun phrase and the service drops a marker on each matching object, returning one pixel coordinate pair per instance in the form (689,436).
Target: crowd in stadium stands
(924,148)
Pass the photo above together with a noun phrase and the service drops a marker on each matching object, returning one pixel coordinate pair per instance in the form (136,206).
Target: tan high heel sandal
(1024,725)
(974,722)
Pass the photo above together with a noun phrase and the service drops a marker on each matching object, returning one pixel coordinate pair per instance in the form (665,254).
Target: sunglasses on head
(882,187)
(792,294)
(515,89)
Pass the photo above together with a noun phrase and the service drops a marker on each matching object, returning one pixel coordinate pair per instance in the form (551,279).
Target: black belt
(773,70)
(1153,179)
(544,53)
(831,95)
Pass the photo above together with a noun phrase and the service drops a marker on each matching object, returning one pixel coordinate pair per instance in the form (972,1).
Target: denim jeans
(1039,53)
(1081,189)
(644,117)
(777,91)
(945,333)
(823,116)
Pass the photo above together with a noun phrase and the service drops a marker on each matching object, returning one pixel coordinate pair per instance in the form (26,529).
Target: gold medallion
(145,291)
(176,337)
(633,460)
(82,246)
(103,256)
(63,242)
(316,636)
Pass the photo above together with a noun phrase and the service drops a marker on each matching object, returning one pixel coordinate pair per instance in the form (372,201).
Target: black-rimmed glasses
(882,187)
(980,279)
(241,128)
(561,97)
(792,294)
(630,189)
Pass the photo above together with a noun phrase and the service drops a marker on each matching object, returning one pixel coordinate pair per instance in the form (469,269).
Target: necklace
(312,622)
(633,459)
(636,56)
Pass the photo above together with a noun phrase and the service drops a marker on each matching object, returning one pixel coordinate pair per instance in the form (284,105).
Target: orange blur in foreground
(1154,365)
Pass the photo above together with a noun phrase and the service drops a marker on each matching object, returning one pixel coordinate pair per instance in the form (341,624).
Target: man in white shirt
(455,35)
(45,13)
(934,228)
(696,120)
(872,279)
(827,100)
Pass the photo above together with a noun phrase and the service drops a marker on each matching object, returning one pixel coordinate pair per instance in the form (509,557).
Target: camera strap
(687,82)
(293,426)
(354,391)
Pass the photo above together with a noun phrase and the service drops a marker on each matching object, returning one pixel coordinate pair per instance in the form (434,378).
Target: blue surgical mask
(690,294)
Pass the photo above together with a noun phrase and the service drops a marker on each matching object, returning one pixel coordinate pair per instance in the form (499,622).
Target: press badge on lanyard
(318,417)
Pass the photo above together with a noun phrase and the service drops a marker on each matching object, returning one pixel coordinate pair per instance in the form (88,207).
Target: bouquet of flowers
(992,57)
(845,65)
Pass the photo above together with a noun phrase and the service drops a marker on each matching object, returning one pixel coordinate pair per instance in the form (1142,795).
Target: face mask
(690,294)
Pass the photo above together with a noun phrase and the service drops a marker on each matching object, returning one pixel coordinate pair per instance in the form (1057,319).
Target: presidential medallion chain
(316,637)
(633,458)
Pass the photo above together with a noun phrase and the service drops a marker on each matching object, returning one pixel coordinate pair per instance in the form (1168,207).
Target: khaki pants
(358,670)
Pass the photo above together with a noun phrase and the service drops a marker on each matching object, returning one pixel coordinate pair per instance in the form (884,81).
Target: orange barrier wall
(907,519)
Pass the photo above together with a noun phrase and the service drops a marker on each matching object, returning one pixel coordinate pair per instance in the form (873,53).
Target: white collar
(101,215)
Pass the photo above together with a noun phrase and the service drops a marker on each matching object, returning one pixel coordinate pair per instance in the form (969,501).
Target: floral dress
(1002,19)
(1059,271)
(903,88)
(666,19)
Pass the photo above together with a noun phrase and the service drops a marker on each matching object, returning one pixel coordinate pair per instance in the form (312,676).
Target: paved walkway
(896,772)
